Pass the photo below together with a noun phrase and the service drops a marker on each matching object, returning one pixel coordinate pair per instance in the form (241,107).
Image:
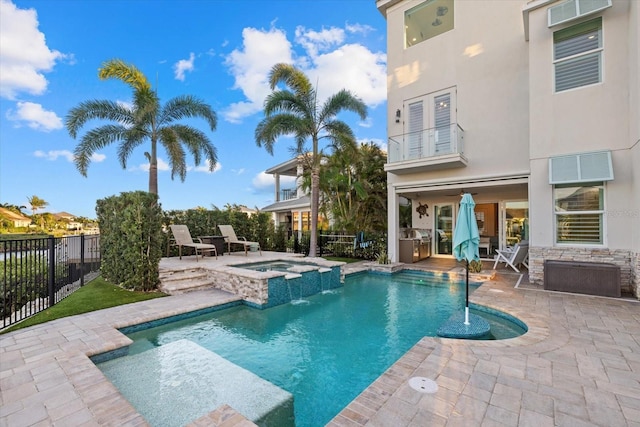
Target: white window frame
(600,212)
(582,55)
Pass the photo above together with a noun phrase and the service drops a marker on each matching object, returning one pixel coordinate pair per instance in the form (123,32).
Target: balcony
(288,194)
(426,150)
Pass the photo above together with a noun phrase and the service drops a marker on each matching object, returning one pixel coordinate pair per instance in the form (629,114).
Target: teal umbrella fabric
(466,238)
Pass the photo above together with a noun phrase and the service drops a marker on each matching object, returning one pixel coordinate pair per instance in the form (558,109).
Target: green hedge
(131,239)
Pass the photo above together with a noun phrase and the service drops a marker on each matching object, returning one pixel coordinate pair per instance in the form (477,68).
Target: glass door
(443,236)
(514,219)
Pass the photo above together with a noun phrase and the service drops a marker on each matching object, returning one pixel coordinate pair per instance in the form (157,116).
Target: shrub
(131,239)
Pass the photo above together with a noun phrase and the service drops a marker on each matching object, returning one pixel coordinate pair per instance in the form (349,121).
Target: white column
(277,177)
(299,172)
(393,221)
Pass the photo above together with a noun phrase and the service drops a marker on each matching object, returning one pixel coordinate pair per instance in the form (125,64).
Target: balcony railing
(426,144)
(288,194)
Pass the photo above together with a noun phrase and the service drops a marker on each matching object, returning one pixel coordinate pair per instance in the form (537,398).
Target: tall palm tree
(294,110)
(145,120)
(36,203)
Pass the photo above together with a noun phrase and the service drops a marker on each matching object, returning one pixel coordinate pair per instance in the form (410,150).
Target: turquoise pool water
(325,351)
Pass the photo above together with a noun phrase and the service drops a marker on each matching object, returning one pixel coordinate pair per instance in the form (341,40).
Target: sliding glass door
(443,236)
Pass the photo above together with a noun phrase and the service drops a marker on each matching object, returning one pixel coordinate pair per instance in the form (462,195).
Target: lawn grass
(96,295)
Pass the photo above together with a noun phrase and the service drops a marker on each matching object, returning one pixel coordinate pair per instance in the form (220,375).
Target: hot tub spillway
(306,280)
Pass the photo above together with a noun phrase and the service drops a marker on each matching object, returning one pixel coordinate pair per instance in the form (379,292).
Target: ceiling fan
(461,192)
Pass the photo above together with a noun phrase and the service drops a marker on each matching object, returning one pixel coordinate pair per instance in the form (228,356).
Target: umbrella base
(456,328)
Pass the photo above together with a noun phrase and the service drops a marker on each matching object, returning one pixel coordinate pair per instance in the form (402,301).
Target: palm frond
(270,128)
(284,101)
(171,143)
(127,73)
(343,100)
(93,141)
(187,106)
(96,109)
(132,139)
(291,77)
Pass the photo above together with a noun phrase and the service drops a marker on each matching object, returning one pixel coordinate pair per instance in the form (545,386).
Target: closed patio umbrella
(466,240)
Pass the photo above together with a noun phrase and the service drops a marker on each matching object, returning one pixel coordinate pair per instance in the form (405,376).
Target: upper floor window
(577,55)
(426,20)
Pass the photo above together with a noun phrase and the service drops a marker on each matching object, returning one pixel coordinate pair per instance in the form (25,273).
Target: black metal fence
(39,272)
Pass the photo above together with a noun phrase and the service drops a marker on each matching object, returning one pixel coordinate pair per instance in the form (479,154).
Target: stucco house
(533,108)
(16,219)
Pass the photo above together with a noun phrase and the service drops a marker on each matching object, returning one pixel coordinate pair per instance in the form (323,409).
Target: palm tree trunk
(315,201)
(153,169)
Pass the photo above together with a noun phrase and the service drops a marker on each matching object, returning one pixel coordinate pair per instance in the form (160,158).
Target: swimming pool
(324,352)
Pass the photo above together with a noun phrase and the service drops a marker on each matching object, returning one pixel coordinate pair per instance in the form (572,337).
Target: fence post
(81,259)
(52,271)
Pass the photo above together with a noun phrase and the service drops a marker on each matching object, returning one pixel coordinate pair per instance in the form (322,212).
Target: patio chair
(518,255)
(183,238)
(230,237)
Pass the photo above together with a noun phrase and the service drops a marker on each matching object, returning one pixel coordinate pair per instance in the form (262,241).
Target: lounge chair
(230,237)
(183,238)
(518,255)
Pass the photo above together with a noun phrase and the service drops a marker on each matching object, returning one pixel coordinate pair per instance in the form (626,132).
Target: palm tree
(353,188)
(294,110)
(145,120)
(37,203)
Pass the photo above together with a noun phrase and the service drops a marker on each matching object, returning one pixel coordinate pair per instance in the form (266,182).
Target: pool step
(181,281)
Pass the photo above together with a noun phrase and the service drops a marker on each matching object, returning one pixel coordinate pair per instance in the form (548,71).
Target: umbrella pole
(466,307)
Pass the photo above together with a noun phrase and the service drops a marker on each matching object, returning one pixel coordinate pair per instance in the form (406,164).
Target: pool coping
(578,347)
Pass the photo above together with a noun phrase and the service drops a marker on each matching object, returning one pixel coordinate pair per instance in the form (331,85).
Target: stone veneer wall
(627,261)
(252,290)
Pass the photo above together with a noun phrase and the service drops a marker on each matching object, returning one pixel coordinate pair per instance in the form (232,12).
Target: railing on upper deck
(427,143)
(288,194)
(37,273)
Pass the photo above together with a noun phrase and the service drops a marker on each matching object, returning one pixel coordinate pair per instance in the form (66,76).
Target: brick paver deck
(579,365)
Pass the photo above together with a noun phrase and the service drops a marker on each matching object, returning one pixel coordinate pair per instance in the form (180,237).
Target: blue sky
(218,50)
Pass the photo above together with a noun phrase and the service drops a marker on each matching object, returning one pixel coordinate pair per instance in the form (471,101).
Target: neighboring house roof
(64,215)
(289,168)
(18,220)
(287,205)
(13,216)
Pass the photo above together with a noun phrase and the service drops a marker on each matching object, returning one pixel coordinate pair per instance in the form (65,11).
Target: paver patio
(579,365)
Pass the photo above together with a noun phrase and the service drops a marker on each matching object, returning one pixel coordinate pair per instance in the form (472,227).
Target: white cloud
(314,41)
(359,28)
(162,166)
(352,67)
(265,180)
(250,66)
(54,154)
(325,57)
(238,171)
(205,167)
(24,55)
(367,123)
(183,66)
(35,117)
